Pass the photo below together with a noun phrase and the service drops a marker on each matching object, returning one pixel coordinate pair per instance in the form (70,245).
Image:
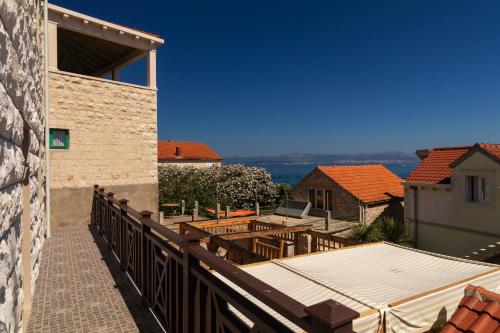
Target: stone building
(102,130)
(22,158)
(187,154)
(357,193)
(60,90)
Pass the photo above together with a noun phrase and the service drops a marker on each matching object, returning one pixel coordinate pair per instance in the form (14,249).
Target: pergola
(85,45)
(246,240)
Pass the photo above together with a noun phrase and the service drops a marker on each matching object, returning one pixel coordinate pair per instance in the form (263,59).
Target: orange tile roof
(368,183)
(188,151)
(492,148)
(436,168)
(478,312)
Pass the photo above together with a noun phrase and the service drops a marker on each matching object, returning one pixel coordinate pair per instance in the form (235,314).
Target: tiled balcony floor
(81,288)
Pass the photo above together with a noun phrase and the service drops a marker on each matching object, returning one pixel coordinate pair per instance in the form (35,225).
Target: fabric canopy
(411,289)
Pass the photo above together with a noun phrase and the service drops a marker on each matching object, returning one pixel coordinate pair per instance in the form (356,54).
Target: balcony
(126,273)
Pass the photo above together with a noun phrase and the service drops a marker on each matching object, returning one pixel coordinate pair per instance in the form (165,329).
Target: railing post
(331,316)
(327,220)
(123,234)
(257,208)
(189,282)
(195,211)
(314,243)
(144,255)
(102,211)
(217,211)
(296,236)
(93,213)
(109,218)
(183,207)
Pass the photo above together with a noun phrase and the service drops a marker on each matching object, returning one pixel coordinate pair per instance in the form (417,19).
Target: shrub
(230,185)
(364,233)
(392,230)
(384,228)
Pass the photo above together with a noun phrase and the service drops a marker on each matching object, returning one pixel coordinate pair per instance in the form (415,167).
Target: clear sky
(271,77)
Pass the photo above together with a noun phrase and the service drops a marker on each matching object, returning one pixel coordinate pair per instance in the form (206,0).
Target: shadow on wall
(394,209)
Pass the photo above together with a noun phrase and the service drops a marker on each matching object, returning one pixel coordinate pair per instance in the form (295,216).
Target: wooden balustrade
(169,270)
(325,242)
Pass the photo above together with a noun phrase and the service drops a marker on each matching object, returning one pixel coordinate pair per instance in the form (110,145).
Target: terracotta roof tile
(492,148)
(368,183)
(167,150)
(478,312)
(435,168)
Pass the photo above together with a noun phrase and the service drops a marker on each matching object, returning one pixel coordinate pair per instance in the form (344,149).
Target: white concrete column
(52,37)
(152,68)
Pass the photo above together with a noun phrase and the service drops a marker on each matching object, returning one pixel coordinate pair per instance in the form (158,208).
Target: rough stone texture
(112,132)
(394,208)
(113,141)
(344,205)
(82,288)
(21,114)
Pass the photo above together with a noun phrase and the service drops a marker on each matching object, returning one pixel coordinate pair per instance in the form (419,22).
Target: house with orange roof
(358,193)
(478,312)
(187,154)
(452,201)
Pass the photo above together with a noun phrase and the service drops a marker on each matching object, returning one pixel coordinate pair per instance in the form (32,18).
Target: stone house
(65,118)
(187,154)
(22,158)
(102,130)
(452,201)
(357,193)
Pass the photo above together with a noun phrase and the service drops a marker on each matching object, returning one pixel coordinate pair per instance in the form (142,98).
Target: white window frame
(477,188)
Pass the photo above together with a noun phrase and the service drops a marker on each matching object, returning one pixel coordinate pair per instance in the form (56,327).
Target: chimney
(422,153)
(178,151)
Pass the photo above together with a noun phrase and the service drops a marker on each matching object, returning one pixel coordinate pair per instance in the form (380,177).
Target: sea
(293,173)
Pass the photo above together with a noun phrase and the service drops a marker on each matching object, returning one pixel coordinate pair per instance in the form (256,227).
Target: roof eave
(85,19)
(476,148)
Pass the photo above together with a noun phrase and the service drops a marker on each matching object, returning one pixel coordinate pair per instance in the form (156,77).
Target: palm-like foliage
(393,230)
(385,228)
(364,233)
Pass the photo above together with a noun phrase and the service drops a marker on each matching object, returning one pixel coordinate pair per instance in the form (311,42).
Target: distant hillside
(305,158)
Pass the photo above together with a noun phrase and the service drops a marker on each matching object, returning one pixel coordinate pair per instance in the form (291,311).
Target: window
(320,199)
(59,138)
(477,189)
(312,197)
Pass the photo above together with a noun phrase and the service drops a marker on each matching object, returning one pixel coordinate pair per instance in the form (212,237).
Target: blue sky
(270,77)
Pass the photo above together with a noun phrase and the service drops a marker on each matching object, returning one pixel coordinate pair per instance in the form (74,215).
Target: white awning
(412,289)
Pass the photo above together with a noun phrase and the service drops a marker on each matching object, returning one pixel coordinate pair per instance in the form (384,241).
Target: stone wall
(22,155)
(394,209)
(344,205)
(112,142)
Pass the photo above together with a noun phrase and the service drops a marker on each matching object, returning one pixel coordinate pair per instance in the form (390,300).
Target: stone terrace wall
(113,143)
(22,196)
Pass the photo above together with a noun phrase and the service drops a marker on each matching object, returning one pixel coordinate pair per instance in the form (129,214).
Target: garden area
(236,186)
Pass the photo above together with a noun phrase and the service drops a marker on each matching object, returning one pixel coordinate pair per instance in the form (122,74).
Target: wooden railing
(325,242)
(223,226)
(169,270)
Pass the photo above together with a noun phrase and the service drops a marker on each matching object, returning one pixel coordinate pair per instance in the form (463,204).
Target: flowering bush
(230,185)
